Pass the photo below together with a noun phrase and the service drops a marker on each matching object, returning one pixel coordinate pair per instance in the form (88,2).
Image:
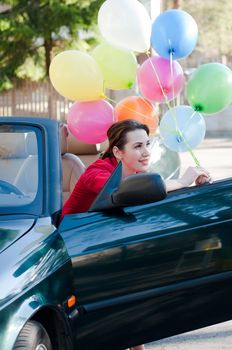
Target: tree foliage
(31,31)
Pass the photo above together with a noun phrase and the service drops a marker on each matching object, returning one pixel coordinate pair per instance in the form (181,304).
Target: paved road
(218,337)
(215,154)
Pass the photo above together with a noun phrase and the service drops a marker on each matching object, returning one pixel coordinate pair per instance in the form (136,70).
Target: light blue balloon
(174,31)
(182,128)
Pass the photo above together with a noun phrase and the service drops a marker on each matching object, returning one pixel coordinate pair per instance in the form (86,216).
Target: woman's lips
(144,161)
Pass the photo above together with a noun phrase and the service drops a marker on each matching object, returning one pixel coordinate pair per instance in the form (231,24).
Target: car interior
(18,154)
(76,157)
(19,160)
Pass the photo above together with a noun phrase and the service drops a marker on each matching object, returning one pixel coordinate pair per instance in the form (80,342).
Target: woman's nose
(146,151)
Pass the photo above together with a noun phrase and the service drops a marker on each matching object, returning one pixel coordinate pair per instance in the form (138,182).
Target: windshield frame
(34,206)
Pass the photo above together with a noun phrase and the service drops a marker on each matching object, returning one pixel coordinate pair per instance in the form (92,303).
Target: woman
(129,143)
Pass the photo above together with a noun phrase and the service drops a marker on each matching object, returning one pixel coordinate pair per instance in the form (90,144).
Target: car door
(146,272)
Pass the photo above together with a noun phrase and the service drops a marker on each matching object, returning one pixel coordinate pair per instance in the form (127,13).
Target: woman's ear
(117,153)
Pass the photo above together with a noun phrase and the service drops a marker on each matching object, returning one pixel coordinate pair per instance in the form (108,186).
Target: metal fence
(34,99)
(39,99)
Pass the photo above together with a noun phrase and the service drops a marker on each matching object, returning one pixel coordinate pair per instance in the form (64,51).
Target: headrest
(63,139)
(103,146)
(70,144)
(31,143)
(12,145)
(77,147)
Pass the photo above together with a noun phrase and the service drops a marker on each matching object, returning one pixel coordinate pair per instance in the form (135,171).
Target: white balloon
(125,24)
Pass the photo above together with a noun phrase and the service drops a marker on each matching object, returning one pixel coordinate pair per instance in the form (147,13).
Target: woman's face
(136,153)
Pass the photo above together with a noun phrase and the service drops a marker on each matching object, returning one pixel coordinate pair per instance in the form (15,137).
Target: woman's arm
(192,174)
(96,178)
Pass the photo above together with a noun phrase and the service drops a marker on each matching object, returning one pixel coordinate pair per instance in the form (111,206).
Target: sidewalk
(214,154)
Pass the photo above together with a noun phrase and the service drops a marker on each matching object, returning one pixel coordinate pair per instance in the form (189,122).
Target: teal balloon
(209,89)
(182,129)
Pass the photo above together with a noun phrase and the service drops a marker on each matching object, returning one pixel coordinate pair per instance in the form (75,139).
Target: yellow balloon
(76,76)
(118,66)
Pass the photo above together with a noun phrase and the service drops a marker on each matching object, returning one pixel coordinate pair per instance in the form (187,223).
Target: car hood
(11,230)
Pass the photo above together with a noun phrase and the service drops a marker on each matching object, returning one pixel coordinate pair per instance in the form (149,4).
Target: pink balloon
(89,121)
(155,73)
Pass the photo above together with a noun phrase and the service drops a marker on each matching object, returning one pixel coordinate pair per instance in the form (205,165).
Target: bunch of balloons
(126,29)
(174,36)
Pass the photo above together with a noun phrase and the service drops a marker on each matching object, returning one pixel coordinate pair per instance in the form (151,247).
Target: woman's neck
(126,172)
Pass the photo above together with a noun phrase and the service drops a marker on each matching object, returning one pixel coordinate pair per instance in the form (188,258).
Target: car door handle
(208,244)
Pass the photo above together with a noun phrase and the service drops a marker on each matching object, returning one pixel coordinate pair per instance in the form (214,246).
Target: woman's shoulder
(104,164)
(101,168)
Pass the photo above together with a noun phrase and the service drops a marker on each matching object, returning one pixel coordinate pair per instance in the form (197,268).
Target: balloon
(162,160)
(125,24)
(118,66)
(76,76)
(155,73)
(174,31)
(140,109)
(182,128)
(89,121)
(209,89)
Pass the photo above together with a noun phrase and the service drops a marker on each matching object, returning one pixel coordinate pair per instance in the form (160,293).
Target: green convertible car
(141,265)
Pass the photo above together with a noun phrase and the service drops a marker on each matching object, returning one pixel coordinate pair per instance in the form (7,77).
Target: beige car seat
(72,166)
(12,155)
(27,177)
(86,152)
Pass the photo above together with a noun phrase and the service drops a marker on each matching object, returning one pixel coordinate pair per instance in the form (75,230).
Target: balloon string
(185,142)
(129,109)
(172,80)
(172,76)
(163,92)
(148,103)
(188,121)
(178,131)
(188,148)
(158,79)
(170,129)
(181,136)
(114,116)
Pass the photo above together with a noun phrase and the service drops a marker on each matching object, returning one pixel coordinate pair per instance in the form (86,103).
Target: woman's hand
(192,174)
(197,174)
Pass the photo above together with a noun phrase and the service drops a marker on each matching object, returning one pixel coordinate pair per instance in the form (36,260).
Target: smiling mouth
(144,162)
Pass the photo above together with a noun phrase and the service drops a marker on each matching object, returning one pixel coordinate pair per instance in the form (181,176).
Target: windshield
(18,165)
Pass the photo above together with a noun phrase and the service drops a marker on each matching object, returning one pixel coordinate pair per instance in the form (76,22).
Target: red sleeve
(96,178)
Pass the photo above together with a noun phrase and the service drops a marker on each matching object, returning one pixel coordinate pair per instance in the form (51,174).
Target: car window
(18,165)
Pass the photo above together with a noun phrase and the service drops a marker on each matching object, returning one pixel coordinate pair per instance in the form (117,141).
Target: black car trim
(155,292)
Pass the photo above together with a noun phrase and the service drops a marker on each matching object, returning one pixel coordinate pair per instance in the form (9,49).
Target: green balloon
(119,67)
(209,89)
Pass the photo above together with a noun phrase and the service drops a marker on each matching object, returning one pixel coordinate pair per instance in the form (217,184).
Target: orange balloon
(140,109)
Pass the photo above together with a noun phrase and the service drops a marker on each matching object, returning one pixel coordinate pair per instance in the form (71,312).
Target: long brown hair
(117,134)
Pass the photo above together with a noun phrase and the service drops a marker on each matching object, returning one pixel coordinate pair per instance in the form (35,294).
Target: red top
(89,185)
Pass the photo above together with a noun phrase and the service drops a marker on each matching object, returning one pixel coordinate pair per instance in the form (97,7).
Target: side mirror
(140,189)
(133,190)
